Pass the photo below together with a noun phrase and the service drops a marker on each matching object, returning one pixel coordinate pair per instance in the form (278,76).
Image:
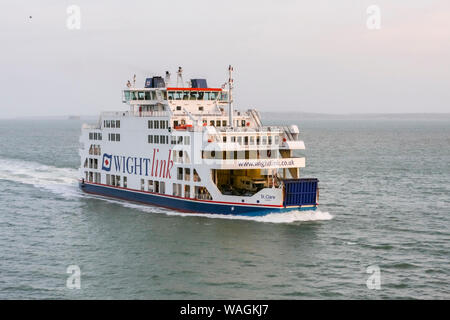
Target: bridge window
(178,95)
(193,95)
(141,95)
(133,95)
(171,95)
(186,95)
(207,96)
(200,95)
(224,123)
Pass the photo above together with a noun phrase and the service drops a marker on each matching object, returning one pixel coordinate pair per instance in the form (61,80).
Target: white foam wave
(58,180)
(284,217)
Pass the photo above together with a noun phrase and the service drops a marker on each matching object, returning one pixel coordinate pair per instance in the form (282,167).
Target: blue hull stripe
(182,204)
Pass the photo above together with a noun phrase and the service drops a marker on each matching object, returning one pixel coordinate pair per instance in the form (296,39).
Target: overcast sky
(306,56)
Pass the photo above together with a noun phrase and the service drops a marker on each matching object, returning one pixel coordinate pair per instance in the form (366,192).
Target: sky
(289,56)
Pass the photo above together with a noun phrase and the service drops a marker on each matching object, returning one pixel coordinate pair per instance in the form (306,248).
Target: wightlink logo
(154,166)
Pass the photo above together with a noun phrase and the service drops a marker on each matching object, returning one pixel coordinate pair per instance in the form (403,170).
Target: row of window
(197,95)
(143,95)
(115,180)
(91,163)
(253,140)
(158,124)
(162,139)
(153,186)
(95,136)
(185,174)
(158,139)
(114,137)
(95,150)
(111,123)
(93,176)
(245,154)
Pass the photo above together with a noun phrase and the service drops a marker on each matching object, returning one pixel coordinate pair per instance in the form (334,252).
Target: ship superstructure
(185,147)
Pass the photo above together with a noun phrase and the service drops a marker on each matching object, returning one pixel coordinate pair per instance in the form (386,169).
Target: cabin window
(127,96)
(156,125)
(156,139)
(125,182)
(270,139)
(187,140)
(224,123)
(147,95)
(212,95)
(180,174)
(207,95)
(264,140)
(171,95)
(178,108)
(108,124)
(196,176)
(239,140)
(178,95)
(180,141)
(217,123)
(243,123)
(200,96)
(187,191)
(164,93)
(150,139)
(224,138)
(200,108)
(187,174)
(108,179)
(186,95)
(142,184)
(173,140)
(153,94)
(211,123)
(133,95)
(150,124)
(117,123)
(245,141)
(150,185)
(252,140)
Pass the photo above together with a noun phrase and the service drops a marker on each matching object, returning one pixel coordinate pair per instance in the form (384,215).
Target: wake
(63,181)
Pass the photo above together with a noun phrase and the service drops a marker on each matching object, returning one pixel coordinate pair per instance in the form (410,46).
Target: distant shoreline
(283,115)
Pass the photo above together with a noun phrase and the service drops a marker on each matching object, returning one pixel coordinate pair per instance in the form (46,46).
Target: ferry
(186,147)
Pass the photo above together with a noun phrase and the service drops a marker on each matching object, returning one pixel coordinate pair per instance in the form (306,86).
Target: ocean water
(384,201)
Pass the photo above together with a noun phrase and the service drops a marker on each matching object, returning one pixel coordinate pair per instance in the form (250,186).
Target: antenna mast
(180,77)
(230,95)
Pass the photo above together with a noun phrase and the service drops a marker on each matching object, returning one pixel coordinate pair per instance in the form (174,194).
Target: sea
(381,231)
